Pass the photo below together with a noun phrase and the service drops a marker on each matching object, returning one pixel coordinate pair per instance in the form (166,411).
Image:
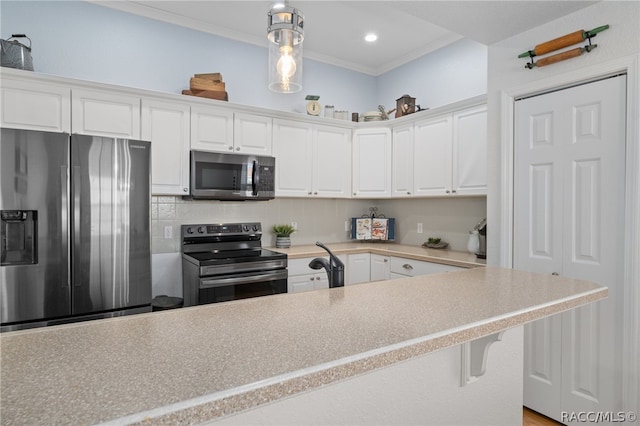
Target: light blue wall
(90,42)
(454,73)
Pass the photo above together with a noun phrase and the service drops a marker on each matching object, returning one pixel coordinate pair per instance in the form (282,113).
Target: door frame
(631,246)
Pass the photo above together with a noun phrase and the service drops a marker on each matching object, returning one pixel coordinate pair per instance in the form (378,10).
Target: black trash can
(163,302)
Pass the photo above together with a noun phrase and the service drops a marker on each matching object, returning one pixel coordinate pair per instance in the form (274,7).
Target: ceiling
(334,30)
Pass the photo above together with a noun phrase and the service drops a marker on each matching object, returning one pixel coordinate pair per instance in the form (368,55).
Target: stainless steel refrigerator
(75,220)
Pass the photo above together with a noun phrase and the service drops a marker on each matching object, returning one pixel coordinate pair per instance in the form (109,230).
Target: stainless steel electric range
(222,262)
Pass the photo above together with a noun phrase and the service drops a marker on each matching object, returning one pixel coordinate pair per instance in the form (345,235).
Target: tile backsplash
(320,219)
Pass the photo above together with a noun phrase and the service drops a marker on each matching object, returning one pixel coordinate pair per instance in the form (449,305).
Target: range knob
(245,228)
(255,228)
(201,230)
(189,230)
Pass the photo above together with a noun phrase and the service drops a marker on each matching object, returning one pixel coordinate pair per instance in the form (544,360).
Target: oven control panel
(208,230)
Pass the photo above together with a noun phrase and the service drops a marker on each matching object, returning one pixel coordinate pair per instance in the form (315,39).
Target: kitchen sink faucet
(333,266)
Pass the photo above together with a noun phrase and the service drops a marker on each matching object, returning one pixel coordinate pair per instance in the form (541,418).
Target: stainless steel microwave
(217,176)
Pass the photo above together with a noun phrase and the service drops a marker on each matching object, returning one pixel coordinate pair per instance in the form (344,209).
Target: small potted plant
(283,235)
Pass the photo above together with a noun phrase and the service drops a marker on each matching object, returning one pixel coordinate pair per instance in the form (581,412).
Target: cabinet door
(252,134)
(402,167)
(433,156)
(105,114)
(35,106)
(300,283)
(358,268)
(380,268)
(470,151)
(293,145)
(331,162)
(372,163)
(211,129)
(166,125)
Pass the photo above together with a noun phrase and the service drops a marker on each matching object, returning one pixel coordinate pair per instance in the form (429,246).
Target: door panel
(111,244)
(574,139)
(34,167)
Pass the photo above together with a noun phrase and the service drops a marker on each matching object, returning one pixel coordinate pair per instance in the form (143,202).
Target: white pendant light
(285,32)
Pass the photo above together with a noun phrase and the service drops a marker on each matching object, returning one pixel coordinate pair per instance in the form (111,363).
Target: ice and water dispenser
(19,237)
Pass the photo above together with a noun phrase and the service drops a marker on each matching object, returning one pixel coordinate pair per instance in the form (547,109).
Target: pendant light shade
(285,33)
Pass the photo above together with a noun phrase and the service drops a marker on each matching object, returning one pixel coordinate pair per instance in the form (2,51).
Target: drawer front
(301,266)
(414,268)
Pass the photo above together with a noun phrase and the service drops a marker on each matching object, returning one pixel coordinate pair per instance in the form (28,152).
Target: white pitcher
(473,245)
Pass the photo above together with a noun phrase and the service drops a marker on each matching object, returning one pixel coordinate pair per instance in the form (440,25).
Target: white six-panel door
(568,220)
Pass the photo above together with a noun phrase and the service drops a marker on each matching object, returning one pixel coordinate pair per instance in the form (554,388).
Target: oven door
(223,288)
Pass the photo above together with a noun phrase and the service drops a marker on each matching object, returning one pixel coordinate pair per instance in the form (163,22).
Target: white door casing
(569,198)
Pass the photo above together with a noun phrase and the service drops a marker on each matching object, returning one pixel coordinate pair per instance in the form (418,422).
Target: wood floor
(532,418)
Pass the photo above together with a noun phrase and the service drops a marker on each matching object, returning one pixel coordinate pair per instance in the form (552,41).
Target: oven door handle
(247,279)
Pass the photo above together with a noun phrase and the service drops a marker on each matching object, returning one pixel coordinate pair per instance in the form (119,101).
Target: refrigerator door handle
(65,272)
(76,225)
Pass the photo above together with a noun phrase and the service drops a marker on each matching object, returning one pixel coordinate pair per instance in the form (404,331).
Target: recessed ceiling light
(370,37)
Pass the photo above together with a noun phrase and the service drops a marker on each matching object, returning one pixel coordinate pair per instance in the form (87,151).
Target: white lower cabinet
(303,278)
(413,268)
(166,125)
(358,268)
(379,268)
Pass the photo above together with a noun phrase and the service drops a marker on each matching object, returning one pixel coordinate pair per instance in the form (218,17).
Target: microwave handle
(255,178)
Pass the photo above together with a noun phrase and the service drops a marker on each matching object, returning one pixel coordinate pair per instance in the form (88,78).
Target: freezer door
(110,191)
(34,271)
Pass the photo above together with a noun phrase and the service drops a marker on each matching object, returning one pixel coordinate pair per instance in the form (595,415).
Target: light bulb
(286,67)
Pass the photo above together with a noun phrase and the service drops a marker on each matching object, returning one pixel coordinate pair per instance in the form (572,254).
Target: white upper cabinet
(166,125)
(402,167)
(252,134)
(450,154)
(32,105)
(372,163)
(105,113)
(293,149)
(433,150)
(331,162)
(311,160)
(211,129)
(470,151)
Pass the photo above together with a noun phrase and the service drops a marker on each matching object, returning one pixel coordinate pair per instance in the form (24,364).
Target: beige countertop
(447,257)
(193,364)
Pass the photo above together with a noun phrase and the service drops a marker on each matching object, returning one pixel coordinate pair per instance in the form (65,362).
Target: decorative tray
(440,245)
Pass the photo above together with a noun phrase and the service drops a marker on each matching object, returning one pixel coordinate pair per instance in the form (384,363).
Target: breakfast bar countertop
(194,364)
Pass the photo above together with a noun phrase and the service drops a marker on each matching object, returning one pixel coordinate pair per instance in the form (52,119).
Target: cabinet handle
(407,266)
(447,191)
(237,148)
(309,193)
(230,148)
(555,273)
(185,189)
(354,194)
(408,193)
(453,191)
(315,193)
(386,260)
